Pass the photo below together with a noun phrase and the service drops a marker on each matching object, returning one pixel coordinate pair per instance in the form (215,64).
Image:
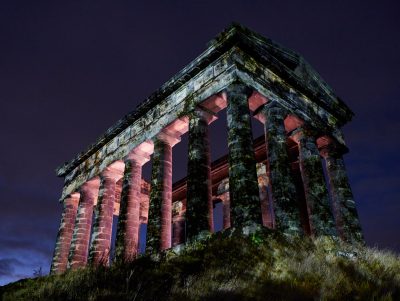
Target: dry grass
(229,267)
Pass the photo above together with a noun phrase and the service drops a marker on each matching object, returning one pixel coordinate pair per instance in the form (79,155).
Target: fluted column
(83,223)
(199,221)
(179,212)
(64,236)
(127,242)
(285,204)
(243,186)
(160,208)
(263,186)
(344,207)
(315,190)
(101,238)
(226,211)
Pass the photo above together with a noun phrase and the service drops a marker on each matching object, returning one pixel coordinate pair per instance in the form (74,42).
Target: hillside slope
(231,267)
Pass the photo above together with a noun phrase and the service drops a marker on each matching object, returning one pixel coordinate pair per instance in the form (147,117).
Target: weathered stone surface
(199,218)
(179,223)
(160,209)
(286,207)
(64,236)
(144,202)
(242,71)
(127,241)
(316,193)
(146,127)
(239,54)
(226,221)
(344,207)
(264,187)
(118,192)
(100,247)
(78,254)
(243,186)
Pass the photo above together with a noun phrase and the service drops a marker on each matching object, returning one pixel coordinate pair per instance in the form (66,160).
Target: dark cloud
(8,265)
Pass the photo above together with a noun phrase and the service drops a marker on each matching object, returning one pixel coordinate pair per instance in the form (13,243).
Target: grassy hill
(231,267)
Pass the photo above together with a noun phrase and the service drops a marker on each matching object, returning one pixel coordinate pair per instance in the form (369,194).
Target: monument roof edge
(216,47)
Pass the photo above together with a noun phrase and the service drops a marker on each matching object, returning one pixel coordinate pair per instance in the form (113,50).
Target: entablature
(234,57)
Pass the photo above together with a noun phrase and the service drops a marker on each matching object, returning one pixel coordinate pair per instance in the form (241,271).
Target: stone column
(243,186)
(263,186)
(223,195)
(83,224)
(199,205)
(159,222)
(283,190)
(226,210)
(64,236)
(101,238)
(127,242)
(343,205)
(315,190)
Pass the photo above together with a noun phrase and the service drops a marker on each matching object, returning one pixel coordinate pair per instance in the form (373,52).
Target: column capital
(114,171)
(302,133)
(204,113)
(168,138)
(72,198)
(141,154)
(171,134)
(270,109)
(90,185)
(138,157)
(330,150)
(330,147)
(275,108)
(238,88)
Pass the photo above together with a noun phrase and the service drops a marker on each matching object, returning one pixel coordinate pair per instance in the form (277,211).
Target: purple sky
(69,71)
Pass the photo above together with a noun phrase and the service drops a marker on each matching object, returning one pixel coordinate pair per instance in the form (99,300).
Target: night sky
(70,69)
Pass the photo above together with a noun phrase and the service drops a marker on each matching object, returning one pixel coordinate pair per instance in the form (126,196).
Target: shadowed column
(344,207)
(285,204)
(243,186)
(80,241)
(102,229)
(64,236)
(316,192)
(226,211)
(160,208)
(199,207)
(129,217)
(178,220)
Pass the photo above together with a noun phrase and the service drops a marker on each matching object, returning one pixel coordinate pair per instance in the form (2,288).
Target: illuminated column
(80,241)
(179,211)
(263,186)
(160,208)
(344,207)
(243,186)
(223,195)
(101,238)
(199,207)
(129,217)
(283,190)
(226,210)
(64,237)
(315,190)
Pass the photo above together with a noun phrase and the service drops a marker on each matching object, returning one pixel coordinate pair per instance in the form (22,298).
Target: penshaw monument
(292,179)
